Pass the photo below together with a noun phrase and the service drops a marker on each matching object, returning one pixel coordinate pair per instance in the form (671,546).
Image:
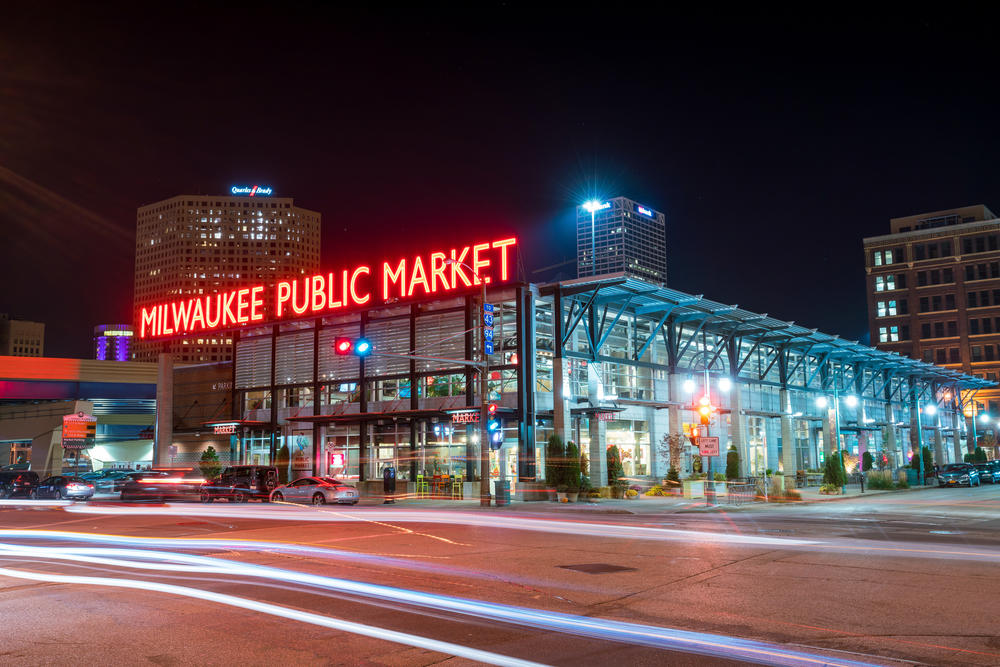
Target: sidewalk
(644,504)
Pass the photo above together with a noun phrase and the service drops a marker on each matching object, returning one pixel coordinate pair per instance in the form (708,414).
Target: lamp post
(706,404)
(484,418)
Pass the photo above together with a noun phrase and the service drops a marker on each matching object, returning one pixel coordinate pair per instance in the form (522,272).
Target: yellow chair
(456,488)
(423,490)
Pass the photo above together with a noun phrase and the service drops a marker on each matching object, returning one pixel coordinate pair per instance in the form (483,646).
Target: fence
(738,493)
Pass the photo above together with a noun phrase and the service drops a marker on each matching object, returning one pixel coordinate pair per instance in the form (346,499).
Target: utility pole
(484,417)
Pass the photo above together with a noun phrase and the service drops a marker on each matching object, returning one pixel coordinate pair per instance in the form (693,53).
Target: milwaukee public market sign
(431,274)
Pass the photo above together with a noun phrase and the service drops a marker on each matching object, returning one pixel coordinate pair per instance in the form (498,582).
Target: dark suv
(17,483)
(239,484)
(989,471)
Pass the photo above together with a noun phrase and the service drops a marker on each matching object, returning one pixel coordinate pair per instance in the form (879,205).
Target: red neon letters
(419,275)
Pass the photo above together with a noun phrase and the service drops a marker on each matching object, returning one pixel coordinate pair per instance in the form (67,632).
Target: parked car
(989,471)
(238,484)
(316,491)
(162,485)
(17,483)
(63,486)
(119,483)
(958,474)
(106,482)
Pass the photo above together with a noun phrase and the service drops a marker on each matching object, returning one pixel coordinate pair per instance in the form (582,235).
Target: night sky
(773,143)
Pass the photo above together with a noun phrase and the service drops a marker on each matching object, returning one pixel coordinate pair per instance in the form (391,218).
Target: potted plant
(616,473)
(631,494)
(593,496)
(561,492)
(572,471)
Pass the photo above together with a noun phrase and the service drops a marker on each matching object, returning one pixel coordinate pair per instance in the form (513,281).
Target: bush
(867,461)
(732,463)
(281,462)
(719,477)
(833,471)
(880,481)
(979,456)
(572,470)
(696,463)
(829,489)
(655,491)
(673,475)
(555,455)
(928,461)
(902,484)
(209,464)
(632,493)
(615,470)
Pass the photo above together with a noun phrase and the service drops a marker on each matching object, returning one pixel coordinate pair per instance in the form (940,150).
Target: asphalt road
(883,580)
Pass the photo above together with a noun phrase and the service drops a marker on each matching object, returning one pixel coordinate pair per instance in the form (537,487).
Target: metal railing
(740,493)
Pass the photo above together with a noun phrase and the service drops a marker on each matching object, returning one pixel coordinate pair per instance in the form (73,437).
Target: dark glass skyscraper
(624,236)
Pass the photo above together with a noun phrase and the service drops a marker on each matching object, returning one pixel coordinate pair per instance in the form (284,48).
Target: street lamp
(592,207)
(484,435)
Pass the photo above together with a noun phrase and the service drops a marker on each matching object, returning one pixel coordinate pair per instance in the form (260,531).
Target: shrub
(673,475)
(281,462)
(719,477)
(615,470)
(696,463)
(867,461)
(655,491)
(209,464)
(979,456)
(880,481)
(572,470)
(732,463)
(902,484)
(632,493)
(829,489)
(555,454)
(833,472)
(928,461)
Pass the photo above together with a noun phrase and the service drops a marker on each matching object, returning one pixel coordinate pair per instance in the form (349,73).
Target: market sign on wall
(431,274)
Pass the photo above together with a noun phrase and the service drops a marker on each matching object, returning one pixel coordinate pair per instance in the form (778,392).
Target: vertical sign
(79,431)
(488,328)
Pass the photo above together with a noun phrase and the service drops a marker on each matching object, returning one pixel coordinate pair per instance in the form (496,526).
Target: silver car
(316,491)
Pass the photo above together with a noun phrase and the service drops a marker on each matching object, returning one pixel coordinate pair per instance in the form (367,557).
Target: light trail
(602,530)
(283,612)
(616,631)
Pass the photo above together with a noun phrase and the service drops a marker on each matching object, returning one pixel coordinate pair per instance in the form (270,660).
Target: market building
(607,360)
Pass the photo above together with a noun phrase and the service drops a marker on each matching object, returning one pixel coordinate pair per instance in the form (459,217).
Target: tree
(616,472)
(670,448)
(732,463)
(867,461)
(209,464)
(928,461)
(572,471)
(555,455)
(979,456)
(833,471)
(281,462)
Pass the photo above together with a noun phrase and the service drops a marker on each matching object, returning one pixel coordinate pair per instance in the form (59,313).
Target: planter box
(694,488)
(572,496)
(720,488)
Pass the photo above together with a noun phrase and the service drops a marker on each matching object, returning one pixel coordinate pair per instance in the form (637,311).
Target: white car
(316,491)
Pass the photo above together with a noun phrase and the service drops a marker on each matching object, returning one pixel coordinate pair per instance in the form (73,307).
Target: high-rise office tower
(933,288)
(113,342)
(199,244)
(623,236)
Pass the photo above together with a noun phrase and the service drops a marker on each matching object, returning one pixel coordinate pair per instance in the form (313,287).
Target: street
(884,579)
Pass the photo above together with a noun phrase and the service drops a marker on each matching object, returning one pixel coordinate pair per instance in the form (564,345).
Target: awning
(248,423)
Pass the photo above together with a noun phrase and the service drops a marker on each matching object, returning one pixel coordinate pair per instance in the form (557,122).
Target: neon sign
(645,211)
(252,191)
(430,274)
(225,429)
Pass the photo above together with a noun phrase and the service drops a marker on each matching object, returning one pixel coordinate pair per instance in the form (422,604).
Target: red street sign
(79,431)
(708,446)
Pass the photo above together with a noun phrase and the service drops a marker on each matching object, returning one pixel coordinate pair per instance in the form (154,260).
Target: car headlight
(965,477)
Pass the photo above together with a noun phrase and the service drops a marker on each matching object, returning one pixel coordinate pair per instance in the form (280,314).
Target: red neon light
(417,275)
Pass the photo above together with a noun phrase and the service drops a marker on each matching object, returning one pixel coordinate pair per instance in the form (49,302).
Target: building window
(893,334)
(925,330)
(940,355)
(878,258)
(954,357)
(973,327)
(883,335)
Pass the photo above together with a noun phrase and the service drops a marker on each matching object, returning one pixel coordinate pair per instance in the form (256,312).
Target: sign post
(79,431)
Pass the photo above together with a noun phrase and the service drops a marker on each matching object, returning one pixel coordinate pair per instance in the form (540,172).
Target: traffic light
(360,347)
(705,410)
(491,409)
(494,427)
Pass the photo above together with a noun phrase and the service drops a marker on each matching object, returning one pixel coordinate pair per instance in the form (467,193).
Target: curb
(797,503)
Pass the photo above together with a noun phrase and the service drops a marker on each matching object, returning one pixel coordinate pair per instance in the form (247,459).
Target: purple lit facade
(113,342)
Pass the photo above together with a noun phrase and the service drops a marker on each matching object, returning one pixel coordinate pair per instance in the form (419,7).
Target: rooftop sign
(645,211)
(252,190)
(435,273)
